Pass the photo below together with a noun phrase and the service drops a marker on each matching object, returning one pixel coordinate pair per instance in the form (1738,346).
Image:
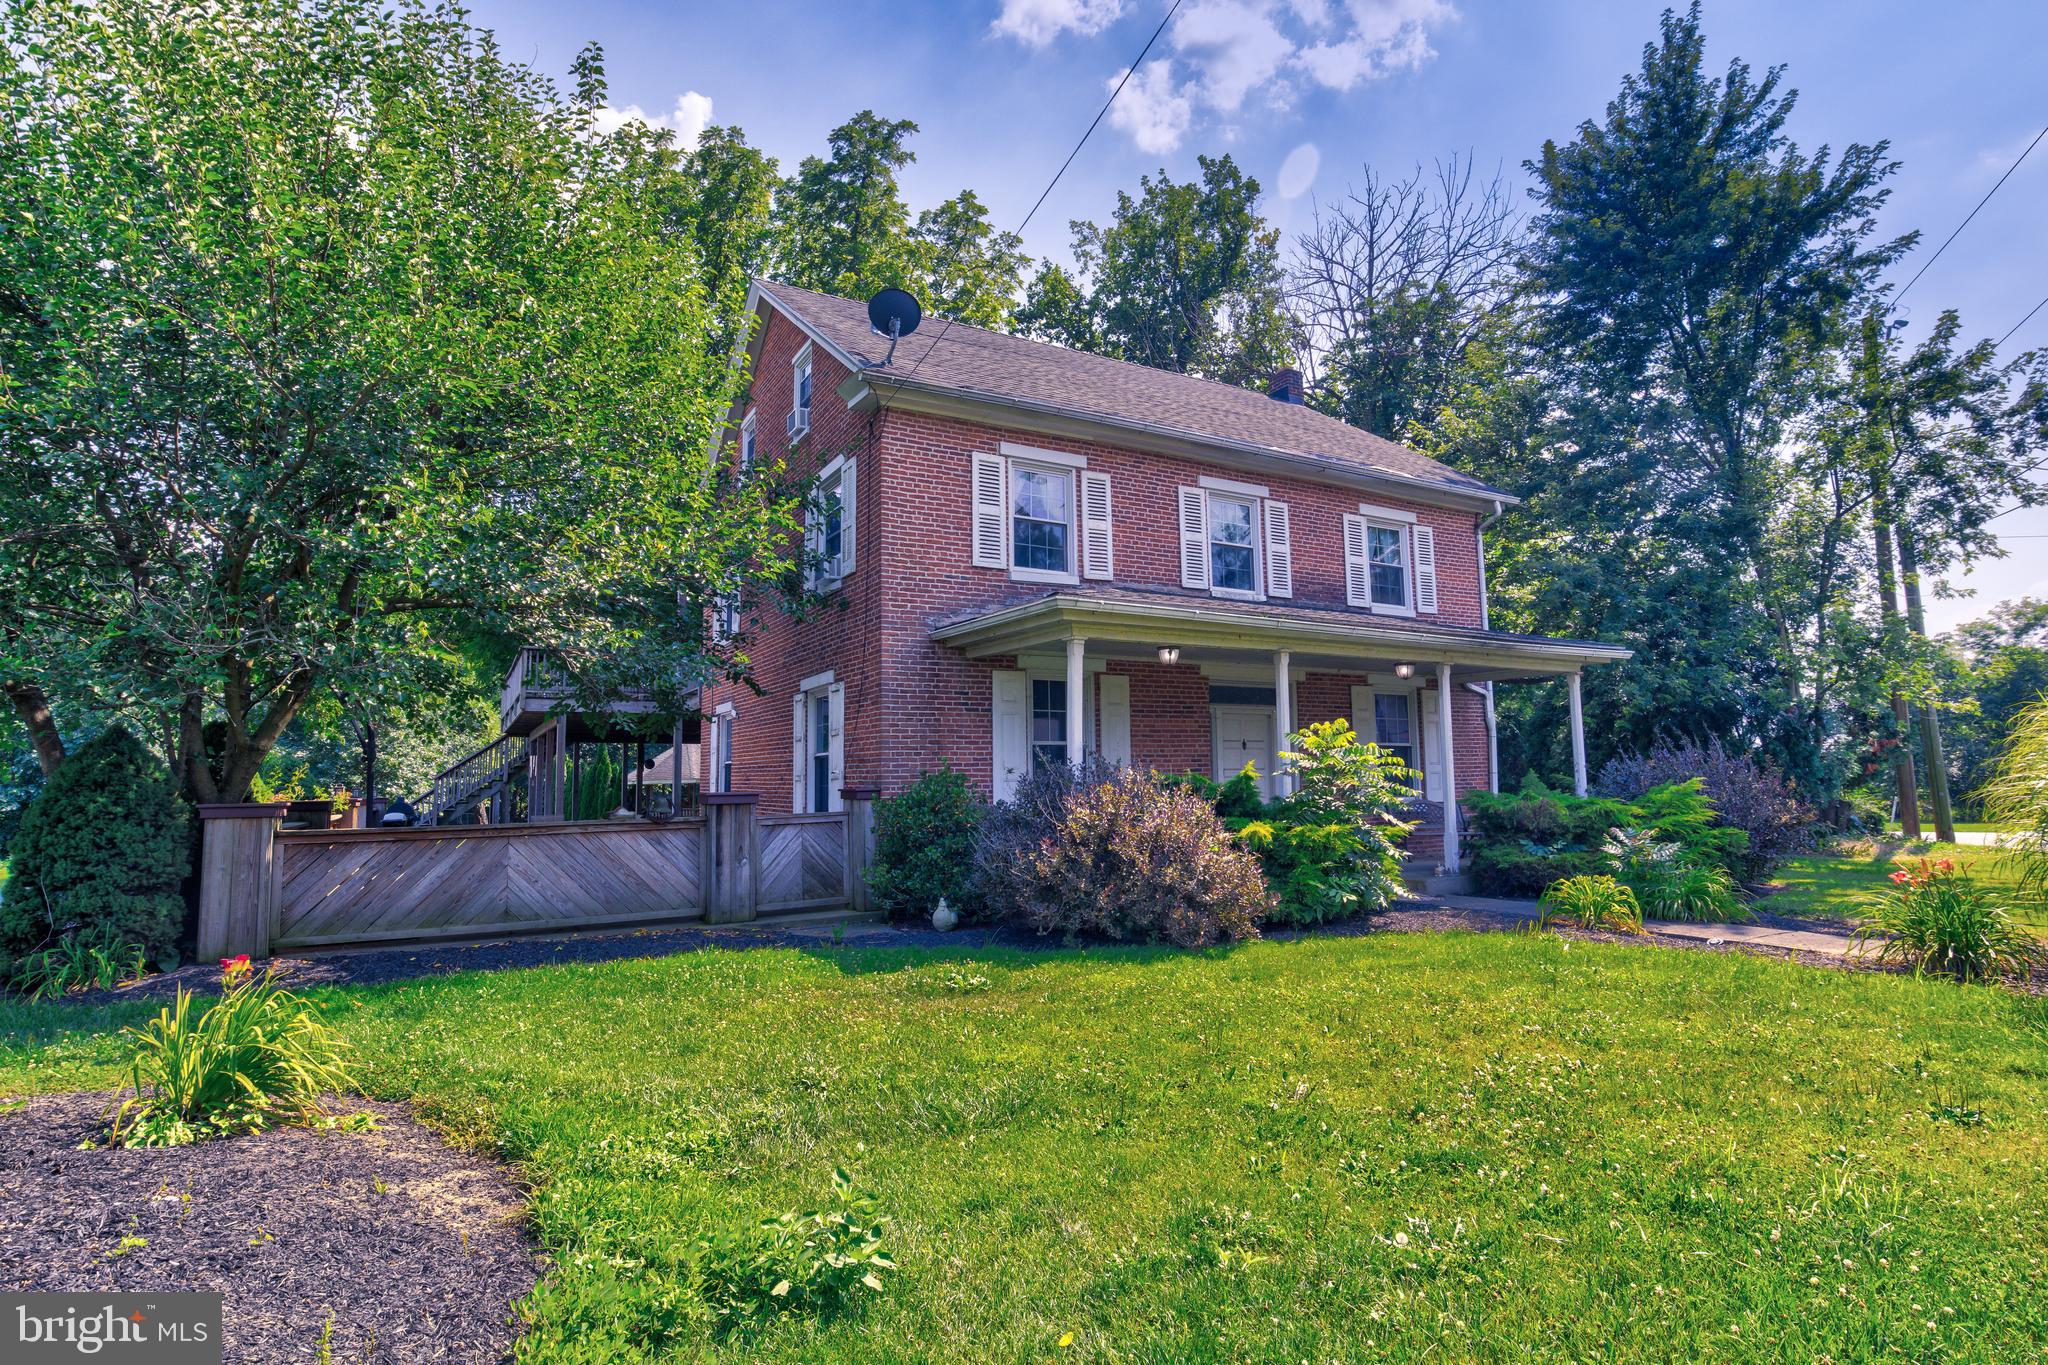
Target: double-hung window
(1233,552)
(1042,515)
(1049,722)
(829,525)
(1042,520)
(800,394)
(821,753)
(1236,540)
(1393,724)
(721,748)
(1389,562)
(747,443)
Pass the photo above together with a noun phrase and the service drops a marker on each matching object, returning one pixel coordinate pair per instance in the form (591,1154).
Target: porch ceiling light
(1404,670)
(1169,654)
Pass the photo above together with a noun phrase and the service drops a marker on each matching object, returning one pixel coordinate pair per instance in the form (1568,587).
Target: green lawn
(1831,885)
(1410,1147)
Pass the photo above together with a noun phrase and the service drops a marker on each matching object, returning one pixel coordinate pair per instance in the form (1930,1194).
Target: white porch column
(1571,682)
(1077,682)
(1449,752)
(1283,722)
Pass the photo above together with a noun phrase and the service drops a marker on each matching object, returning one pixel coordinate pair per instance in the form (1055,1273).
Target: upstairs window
(829,525)
(1233,558)
(1387,551)
(1041,520)
(747,443)
(1389,562)
(800,396)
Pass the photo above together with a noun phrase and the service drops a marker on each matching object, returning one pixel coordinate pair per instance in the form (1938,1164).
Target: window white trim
(808,746)
(1254,521)
(1070,474)
(817,680)
(1365,722)
(837,480)
(1407,567)
(1039,455)
(749,441)
(1375,513)
(1247,490)
(724,721)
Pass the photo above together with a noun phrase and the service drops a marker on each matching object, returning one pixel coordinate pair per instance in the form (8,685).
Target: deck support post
(732,857)
(237,879)
(860,845)
(675,772)
(1571,682)
(1444,700)
(1077,683)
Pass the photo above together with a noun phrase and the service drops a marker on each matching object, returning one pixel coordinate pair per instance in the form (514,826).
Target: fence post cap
(860,793)
(730,798)
(242,810)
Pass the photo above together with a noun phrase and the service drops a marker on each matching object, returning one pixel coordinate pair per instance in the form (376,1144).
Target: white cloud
(1152,109)
(692,115)
(1298,171)
(1382,38)
(1037,22)
(1234,47)
(1227,54)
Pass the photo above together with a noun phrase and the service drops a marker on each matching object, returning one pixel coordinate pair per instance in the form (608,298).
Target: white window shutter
(991,520)
(1115,694)
(1357,574)
(1425,568)
(800,758)
(846,522)
(1431,748)
(836,702)
(1194,539)
(1098,557)
(1361,714)
(1279,550)
(1011,731)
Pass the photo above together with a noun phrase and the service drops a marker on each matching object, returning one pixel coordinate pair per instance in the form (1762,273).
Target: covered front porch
(1184,683)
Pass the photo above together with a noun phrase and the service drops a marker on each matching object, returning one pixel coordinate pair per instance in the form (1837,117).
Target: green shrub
(924,846)
(80,960)
(1332,848)
(1667,885)
(1523,841)
(1596,902)
(1941,922)
(816,1262)
(103,852)
(1121,856)
(258,1057)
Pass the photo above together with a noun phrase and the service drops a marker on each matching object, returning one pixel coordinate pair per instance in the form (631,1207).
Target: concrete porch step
(1426,877)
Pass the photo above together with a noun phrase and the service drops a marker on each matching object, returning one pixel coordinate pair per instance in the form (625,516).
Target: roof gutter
(887,386)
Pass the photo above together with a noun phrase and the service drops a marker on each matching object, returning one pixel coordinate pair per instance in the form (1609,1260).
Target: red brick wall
(911,706)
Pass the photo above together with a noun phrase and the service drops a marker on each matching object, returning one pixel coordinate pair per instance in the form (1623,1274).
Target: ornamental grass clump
(1938,921)
(1670,886)
(257,1058)
(1591,902)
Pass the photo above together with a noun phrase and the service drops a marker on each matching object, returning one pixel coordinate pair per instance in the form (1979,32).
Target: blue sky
(1305,92)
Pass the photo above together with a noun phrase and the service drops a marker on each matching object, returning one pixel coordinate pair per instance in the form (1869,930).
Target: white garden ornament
(945,916)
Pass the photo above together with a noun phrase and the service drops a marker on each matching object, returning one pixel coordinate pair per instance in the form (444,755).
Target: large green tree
(321,322)
(1185,277)
(1688,264)
(842,225)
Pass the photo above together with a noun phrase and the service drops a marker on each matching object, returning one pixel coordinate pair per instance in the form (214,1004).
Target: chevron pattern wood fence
(362,886)
(803,862)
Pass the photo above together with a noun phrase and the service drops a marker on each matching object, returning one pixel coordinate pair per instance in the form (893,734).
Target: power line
(1973,213)
(2025,320)
(1099,114)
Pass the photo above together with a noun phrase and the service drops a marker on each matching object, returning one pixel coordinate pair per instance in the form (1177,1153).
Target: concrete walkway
(1765,934)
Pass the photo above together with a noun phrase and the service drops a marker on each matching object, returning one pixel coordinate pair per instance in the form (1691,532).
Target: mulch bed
(388,1244)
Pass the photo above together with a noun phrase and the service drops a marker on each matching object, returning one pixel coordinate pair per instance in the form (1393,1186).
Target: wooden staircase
(483,781)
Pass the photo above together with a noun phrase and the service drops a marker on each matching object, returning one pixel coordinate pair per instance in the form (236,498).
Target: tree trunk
(1888,610)
(369,772)
(1930,720)
(32,709)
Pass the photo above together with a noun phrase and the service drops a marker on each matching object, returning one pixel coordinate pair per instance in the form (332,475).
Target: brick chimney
(1285,386)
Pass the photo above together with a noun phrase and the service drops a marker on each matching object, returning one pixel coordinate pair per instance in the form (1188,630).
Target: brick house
(1036,555)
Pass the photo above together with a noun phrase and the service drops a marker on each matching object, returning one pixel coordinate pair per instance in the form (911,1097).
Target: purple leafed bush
(1120,856)
(1747,795)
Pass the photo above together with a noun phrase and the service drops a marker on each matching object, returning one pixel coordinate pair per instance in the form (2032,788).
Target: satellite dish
(893,313)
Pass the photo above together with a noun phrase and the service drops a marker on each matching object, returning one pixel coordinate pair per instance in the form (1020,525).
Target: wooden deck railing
(473,777)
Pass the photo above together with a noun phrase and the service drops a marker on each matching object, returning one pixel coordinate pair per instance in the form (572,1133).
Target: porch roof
(1135,622)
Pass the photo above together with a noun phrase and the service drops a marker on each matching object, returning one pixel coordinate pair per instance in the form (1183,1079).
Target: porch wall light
(1169,654)
(1404,670)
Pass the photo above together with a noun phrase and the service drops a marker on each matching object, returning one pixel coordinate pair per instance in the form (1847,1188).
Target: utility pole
(1930,721)
(1877,453)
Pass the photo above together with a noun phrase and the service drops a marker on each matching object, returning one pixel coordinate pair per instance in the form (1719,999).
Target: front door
(1244,734)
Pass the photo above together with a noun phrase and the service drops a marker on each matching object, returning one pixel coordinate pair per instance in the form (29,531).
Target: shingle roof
(996,366)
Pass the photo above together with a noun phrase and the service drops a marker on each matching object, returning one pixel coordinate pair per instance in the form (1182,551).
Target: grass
(1450,1147)
(1832,885)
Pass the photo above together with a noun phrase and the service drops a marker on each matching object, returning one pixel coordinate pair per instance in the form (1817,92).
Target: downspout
(1485,689)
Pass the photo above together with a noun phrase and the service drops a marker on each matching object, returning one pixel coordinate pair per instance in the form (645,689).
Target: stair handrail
(469,776)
